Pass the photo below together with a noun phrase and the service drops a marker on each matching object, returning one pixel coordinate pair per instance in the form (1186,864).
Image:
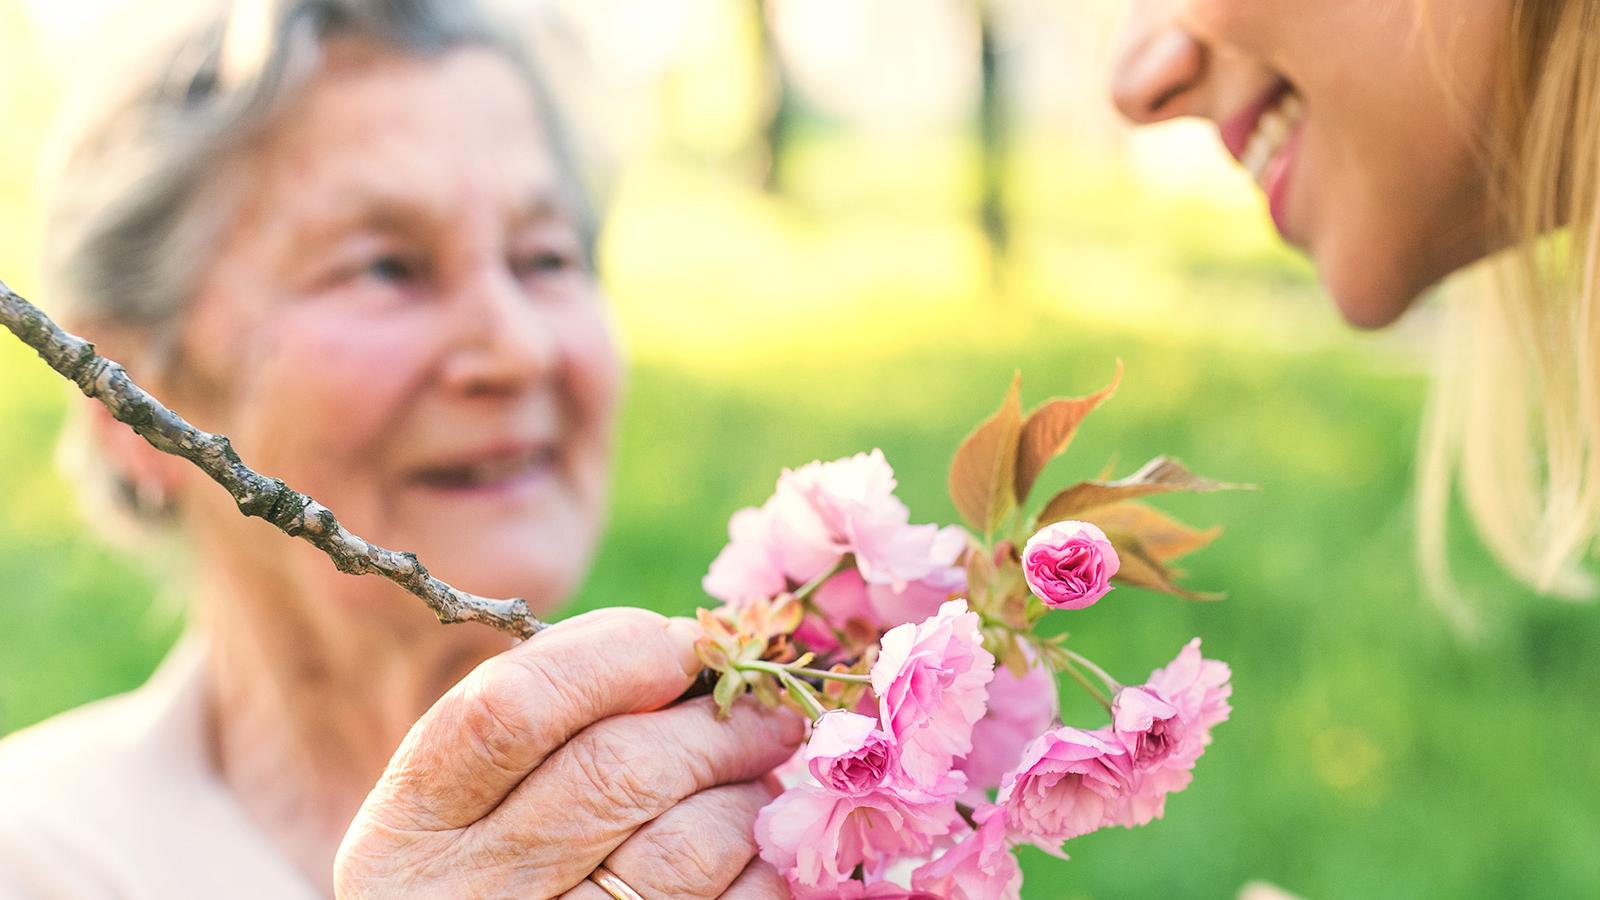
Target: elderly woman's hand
(561,755)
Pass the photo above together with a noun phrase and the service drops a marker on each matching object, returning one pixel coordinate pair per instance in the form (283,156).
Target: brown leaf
(983,473)
(1161,536)
(1158,476)
(980,577)
(1140,569)
(1049,430)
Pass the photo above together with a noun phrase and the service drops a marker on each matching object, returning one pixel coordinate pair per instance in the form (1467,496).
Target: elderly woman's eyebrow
(385,211)
(366,214)
(410,215)
(541,206)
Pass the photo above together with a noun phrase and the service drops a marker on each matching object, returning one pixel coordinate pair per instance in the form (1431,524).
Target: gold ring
(611,884)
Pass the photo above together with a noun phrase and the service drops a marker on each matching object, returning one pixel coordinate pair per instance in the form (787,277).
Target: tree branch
(294,513)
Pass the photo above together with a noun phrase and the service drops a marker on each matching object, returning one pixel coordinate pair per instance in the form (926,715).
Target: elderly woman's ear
(129,482)
(149,479)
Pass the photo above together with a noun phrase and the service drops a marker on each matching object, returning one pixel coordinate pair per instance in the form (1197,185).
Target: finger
(759,881)
(694,849)
(622,772)
(586,890)
(484,736)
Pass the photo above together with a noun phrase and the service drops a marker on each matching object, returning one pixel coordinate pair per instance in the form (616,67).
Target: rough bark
(262,496)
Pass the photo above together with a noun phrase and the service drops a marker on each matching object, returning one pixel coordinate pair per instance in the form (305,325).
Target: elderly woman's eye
(547,263)
(391,268)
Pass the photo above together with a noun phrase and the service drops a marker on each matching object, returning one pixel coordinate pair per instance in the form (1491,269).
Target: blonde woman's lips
(1277,182)
(1265,139)
(1237,130)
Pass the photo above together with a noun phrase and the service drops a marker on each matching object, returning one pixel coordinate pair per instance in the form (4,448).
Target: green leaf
(729,687)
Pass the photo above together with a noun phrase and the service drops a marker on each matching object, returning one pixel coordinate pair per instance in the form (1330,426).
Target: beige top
(121,798)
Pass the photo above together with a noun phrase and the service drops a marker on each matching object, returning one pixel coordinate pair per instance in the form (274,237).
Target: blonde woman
(1400,142)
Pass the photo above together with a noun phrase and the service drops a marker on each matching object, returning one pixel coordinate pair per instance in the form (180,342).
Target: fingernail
(683,633)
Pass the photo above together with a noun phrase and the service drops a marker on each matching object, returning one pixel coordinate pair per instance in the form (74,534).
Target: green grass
(1370,753)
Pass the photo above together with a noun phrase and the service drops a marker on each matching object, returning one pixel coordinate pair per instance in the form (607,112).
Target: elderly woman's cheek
(591,369)
(324,395)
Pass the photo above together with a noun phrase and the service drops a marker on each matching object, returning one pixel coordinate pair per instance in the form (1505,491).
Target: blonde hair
(1514,418)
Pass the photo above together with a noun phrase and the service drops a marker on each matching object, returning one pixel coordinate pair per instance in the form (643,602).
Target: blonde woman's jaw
(1361,123)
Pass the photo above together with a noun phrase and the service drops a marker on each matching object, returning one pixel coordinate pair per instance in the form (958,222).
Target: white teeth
(1274,127)
(500,470)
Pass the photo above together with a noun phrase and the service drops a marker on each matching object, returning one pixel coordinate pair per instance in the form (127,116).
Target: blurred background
(843,224)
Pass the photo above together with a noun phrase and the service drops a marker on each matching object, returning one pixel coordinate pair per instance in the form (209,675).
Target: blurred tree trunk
(777,133)
(992,133)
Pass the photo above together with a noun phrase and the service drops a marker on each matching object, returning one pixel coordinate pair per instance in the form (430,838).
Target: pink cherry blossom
(1067,783)
(897,554)
(1019,710)
(824,510)
(931,680)
(816,837)
(979,867)
(848,599)
(848,754)
(1148,726)
(844,599)
(1165,726)
(1069,564)
(816,635)
(857,890)
(912,587)
(748,567)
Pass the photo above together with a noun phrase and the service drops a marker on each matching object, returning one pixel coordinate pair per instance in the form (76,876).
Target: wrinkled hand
(562,754)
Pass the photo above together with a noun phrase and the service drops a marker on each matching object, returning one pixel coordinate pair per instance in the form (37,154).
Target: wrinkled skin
(550,760)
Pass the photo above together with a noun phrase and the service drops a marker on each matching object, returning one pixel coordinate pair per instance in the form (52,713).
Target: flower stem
(831,676)
(1084,682)
(1111,684)
(801,692)
(966,813)
(810,587)
(772,668)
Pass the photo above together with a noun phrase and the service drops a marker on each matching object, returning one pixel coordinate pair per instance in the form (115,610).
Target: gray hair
(136,207)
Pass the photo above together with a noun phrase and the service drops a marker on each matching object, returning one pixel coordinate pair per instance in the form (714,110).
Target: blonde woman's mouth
(1264,138)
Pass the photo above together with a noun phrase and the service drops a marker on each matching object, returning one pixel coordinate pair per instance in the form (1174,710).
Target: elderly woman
(347,234)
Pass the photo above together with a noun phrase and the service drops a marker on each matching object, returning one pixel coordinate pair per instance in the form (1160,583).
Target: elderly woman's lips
(490,473)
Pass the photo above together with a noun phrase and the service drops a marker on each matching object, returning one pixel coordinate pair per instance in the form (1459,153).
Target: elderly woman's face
(1361,121)
(400,322)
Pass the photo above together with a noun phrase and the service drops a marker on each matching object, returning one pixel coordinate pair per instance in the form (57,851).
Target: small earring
(151,500)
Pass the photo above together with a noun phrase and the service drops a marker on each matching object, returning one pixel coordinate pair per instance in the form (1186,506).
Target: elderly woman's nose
(1159,67)
(506,339)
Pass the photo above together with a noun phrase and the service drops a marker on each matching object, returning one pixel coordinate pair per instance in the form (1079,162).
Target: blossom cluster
(822,516)
(936,747)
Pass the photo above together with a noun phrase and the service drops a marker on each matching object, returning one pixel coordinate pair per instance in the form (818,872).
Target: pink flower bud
(847,753)
(1069,564)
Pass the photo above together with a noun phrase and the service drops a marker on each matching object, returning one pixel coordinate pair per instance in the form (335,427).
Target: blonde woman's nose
(505,340)
(1158,69)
